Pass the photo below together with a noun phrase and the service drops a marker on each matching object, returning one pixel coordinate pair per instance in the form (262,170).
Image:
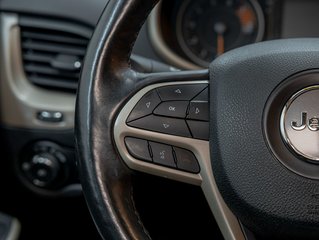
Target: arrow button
(198,111)
(145,106)
(148,104)
(166,125)
(171,126)
(180,92)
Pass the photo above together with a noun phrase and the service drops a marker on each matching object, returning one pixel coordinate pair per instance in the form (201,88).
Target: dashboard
(42,49)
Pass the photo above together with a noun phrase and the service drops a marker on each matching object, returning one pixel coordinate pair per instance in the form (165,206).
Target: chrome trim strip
(14,230)
(159,44)
(260,19)
(20,101)
(227,222)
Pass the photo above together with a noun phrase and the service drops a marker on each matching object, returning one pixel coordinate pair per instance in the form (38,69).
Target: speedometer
(208,28)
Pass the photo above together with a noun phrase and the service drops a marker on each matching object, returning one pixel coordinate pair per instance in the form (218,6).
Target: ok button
(175,109)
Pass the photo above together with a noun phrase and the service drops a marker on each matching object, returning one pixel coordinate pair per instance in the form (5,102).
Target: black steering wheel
(233,129)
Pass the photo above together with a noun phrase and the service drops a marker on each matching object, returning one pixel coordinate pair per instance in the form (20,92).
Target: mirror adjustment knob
(43,169)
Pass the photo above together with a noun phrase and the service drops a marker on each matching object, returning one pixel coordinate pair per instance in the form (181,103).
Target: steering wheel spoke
(163,129)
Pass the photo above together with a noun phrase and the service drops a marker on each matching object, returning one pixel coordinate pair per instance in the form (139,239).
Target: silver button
(50,116)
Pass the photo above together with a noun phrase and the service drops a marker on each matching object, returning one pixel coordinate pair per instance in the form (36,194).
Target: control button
(172,109)
(202,97)
(49,116)
(166,125)
(145,106)
(42,170)
(163,154)
(180,92)
(47,165)
(200,130)
(199,111)
(138,148)
(186,160)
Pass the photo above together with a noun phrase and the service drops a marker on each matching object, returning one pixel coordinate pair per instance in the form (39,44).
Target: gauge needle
(220,44)
(220,29)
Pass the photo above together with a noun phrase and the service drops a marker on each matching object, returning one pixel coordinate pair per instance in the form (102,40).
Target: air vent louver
(53,52)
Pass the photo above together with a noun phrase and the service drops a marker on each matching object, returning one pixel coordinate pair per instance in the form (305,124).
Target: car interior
(159,119)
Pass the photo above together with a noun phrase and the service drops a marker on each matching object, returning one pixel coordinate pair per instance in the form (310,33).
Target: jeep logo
(312,124)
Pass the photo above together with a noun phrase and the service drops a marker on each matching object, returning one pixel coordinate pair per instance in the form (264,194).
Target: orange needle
(220,29)
(220,44)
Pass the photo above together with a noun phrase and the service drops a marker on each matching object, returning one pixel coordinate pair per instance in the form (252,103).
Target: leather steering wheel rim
(108,193)
(106,84)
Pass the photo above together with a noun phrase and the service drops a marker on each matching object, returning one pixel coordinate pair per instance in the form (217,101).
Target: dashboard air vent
(53,51)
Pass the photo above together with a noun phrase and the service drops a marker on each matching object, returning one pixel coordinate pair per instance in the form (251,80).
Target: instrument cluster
(191,34)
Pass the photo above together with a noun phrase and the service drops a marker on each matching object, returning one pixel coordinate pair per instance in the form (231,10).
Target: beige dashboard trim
(20,101)
(159,44)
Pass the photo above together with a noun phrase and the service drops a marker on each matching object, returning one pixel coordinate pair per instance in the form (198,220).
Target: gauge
(208,28)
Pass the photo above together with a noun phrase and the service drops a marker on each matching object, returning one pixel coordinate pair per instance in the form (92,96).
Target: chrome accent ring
(301,137)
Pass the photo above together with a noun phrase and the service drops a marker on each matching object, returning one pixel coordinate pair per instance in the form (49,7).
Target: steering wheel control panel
(164,130)
(162,154)
(180,110)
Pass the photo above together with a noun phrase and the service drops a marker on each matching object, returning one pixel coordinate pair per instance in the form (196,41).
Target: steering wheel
(245,130)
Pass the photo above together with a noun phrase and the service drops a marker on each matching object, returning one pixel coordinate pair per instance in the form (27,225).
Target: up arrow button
(180,92)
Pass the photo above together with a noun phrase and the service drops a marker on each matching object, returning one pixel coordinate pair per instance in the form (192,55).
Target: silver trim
(228,223)
(283,129)
(20,101)
(14,230)
(159,44)
(260,21)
